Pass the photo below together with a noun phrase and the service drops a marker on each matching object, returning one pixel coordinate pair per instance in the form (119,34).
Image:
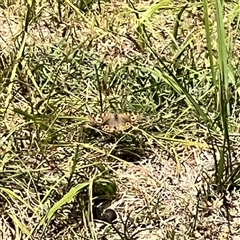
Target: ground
(165,183)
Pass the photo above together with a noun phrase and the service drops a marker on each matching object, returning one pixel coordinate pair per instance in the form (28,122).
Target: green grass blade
(11,194)
(19,224)
(66,198)
(208,38)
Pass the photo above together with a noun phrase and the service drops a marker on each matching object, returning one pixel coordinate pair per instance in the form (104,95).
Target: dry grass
(168,192)
(158,197)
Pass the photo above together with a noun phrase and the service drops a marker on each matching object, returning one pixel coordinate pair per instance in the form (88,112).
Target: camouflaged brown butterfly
(114,122)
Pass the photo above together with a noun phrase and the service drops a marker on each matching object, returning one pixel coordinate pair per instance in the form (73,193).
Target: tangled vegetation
(173,175)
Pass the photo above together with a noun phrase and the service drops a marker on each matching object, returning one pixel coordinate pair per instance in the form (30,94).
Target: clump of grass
(180,76)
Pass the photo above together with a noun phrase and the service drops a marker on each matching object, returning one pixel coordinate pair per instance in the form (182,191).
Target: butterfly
(115,122)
